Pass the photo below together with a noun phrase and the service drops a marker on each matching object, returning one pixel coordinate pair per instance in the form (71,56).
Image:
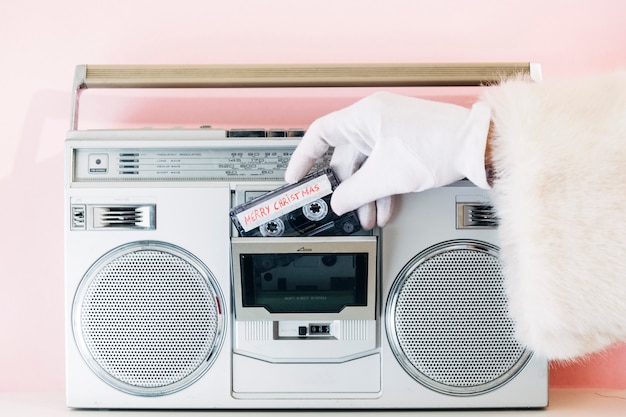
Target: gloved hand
(387,144)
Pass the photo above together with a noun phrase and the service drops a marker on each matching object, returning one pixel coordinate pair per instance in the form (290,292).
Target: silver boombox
(183,292)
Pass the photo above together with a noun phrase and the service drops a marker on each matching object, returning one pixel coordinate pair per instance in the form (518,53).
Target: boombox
(170,305)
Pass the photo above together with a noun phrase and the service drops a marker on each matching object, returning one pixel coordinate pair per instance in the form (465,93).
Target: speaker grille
(447,320)
(148,318)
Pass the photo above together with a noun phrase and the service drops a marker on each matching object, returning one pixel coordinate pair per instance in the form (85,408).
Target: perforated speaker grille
(147,318)
(447,320)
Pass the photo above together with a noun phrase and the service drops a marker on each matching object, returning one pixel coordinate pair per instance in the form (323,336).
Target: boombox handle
(292,75)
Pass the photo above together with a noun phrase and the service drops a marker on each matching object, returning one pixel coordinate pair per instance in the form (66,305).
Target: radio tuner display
(304,283)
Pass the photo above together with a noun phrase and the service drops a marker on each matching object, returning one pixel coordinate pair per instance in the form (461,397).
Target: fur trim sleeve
(559,151)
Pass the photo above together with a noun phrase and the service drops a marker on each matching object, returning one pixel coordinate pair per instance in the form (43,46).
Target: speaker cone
(447,320)
(148,318)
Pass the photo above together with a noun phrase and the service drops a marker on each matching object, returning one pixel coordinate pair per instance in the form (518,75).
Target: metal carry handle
(292,75)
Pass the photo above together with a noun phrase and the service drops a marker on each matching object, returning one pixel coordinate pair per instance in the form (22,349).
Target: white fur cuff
(560,191)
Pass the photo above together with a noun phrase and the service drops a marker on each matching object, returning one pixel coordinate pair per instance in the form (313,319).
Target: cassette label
(301,209)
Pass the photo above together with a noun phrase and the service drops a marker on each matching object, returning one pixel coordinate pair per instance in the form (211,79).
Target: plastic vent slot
(447,320)
(476,216)
(124,217)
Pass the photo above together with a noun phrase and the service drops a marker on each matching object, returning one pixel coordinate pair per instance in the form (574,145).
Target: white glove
(388,144)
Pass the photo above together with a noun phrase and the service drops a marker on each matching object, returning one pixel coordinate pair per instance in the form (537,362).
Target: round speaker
(447,320)
(148,318)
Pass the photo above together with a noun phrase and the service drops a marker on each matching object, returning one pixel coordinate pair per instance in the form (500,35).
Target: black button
(302,331)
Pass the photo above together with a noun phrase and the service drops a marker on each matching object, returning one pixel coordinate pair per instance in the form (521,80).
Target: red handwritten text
(257,214)
(288,199)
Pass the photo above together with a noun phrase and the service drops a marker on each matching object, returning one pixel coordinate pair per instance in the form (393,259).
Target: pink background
(42,41)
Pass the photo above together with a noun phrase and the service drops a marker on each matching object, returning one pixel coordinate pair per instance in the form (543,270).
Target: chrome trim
(85,286)
(392,336)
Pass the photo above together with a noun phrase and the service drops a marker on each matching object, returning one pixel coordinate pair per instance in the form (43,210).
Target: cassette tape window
(304,283)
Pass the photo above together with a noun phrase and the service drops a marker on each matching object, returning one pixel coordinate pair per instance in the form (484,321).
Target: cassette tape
(300,209)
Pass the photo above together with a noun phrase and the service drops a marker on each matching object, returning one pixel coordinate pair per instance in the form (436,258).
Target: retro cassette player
(196,279)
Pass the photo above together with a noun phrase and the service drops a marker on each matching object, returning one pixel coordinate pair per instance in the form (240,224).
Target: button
(302,331)
(295,133)
(98,163)
(276,133)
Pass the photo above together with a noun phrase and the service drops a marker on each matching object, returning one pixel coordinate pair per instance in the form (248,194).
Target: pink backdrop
(41,42)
